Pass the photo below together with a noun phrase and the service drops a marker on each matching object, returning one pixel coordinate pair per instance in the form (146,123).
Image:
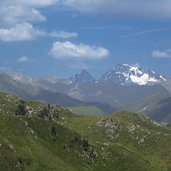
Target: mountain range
(121,85)
(124,87)
(120,74)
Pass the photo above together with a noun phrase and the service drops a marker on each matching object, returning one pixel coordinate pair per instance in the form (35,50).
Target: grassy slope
(28,149)
(135,133)
(29,143)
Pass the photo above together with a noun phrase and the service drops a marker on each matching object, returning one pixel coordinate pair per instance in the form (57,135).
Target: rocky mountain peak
(83,77)
(124,74)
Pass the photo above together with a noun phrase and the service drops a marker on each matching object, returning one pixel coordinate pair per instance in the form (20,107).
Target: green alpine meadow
(36,136)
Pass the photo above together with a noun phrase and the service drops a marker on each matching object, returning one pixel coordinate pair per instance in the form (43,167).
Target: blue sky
(53,37)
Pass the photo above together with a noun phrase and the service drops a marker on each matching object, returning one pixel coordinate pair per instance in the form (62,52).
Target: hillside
(157,107)
(34,136)
(132,132)
(162,111)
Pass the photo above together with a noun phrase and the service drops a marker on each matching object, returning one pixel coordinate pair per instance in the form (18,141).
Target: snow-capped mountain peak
(83,77)
(124,74)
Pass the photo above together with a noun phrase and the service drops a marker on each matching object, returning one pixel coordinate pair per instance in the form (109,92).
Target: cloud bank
(26,31)
(16,17)
(123,8)
(20,32)
(17,11)
(68,50)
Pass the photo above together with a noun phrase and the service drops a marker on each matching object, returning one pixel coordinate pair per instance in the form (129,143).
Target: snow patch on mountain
(124,74)
(143,80)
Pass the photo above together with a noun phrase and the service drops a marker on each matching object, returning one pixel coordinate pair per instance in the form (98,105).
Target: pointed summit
(83,77)
(124,74)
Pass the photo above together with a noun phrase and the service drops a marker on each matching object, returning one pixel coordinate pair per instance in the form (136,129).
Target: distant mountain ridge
(120,74)
(87,93)
(31,92)
(121,85)
(157,107)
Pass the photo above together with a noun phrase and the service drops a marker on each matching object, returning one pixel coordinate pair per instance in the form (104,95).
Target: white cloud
(21,32)
(17,14)
(25,59)
(123,8)
(63,34)
(17,11)
(68,50)
(161,54)
(26,31)
(16,17)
